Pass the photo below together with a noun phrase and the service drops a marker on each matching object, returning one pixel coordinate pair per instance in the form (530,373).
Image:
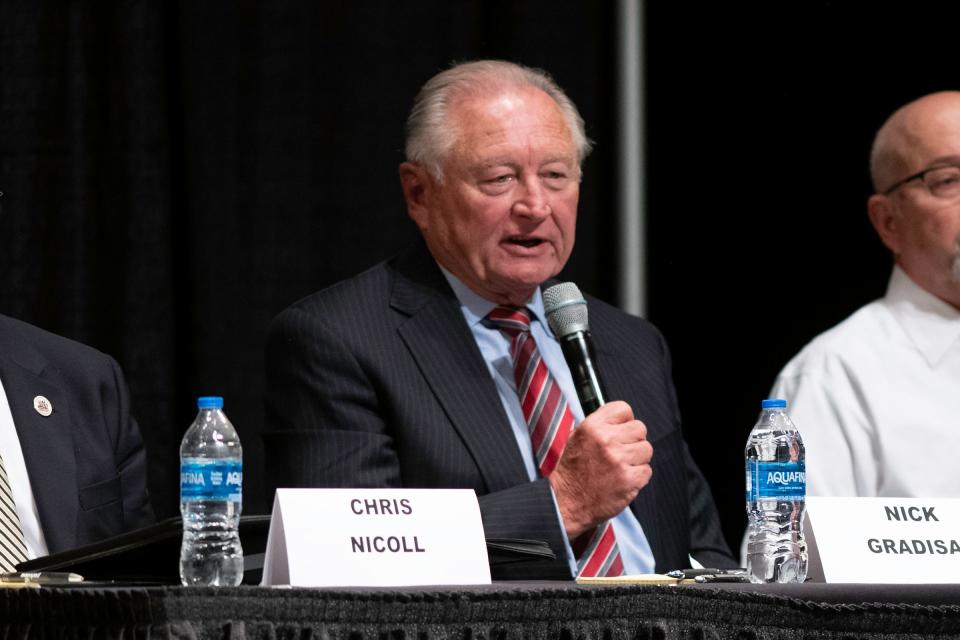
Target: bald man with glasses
(877,397)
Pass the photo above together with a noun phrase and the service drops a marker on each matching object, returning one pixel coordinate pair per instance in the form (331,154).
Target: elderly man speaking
(437,368)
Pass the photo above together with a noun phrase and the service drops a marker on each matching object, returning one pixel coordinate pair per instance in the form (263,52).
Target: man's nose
(533,199)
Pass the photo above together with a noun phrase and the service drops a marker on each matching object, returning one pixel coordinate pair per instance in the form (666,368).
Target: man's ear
(887,220)
(417,185)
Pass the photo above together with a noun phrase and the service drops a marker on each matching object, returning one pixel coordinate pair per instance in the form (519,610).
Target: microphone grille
(565,308)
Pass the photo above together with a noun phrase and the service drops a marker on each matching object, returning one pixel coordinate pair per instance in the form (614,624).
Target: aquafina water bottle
(776,495)
(211,481)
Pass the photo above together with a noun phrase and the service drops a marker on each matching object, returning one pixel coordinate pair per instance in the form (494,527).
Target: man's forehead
(487,124)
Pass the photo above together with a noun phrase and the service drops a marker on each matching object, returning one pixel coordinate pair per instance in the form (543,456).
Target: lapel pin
(43,406)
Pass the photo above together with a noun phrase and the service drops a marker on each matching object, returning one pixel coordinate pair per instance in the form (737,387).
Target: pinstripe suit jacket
(378,382)
(86,461)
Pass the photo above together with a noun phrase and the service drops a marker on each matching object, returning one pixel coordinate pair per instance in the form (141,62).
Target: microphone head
(565,308)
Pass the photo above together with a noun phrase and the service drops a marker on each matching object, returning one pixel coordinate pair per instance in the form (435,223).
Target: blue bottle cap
(210,402)
(773,403)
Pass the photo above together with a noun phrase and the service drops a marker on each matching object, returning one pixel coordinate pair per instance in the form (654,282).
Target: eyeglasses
(942,182)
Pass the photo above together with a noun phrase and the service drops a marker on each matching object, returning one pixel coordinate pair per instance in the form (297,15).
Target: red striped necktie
(550,422)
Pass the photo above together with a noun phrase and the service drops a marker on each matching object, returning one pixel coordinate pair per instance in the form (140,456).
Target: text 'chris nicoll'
(383,544)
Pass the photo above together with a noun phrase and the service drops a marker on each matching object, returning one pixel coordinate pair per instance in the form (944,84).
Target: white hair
(430,135)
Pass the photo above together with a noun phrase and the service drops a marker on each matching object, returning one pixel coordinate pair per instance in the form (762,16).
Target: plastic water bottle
(776,496)
(211,481)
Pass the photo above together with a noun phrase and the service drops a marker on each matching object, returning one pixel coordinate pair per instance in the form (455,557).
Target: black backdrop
(175,173)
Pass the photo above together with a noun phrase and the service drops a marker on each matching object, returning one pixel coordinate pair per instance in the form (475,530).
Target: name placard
(886,540)
(375,537)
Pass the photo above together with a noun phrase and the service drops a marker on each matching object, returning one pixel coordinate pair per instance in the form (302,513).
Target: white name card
(375,537)
(885,540)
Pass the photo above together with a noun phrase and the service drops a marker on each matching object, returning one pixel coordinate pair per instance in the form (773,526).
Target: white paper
(886,540)
(375,537)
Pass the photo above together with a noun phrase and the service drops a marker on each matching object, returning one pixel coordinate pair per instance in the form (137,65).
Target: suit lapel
(46,442)
(438,338)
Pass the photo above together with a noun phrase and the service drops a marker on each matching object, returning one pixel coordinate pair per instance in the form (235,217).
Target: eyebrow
(489,163)
(943,161)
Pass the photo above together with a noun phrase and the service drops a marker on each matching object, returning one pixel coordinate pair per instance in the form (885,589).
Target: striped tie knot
(514,323)
(510,320)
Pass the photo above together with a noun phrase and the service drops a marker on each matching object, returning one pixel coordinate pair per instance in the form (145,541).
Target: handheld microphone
(566,312)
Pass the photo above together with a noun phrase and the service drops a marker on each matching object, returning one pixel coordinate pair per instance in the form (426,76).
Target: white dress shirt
(877,398)
(20,481)
(634,548)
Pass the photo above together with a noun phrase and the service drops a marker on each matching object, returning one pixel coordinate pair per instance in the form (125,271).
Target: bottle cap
(210,402)
(773,403)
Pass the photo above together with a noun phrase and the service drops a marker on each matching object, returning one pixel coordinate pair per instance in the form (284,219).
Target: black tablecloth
(500,611)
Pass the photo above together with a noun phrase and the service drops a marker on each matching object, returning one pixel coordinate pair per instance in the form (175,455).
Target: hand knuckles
(646,451)
(642,429)
(647,473)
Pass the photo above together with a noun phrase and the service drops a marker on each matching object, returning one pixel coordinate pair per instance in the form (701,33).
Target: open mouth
(525,242)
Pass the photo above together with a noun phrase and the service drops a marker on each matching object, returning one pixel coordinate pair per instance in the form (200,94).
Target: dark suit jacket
(86,461)
(378,382)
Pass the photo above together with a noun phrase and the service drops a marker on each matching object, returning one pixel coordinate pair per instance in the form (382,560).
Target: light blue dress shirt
(634,549)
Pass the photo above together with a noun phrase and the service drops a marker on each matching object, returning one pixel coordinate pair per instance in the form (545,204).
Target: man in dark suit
(401,376)
(71,451)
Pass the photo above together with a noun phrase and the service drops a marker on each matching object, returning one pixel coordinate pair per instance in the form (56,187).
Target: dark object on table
(151,555)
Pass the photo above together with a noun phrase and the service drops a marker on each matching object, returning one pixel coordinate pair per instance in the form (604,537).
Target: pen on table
(41,577)
(721,577)
(691,574)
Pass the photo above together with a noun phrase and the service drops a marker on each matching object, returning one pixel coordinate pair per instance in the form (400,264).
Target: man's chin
(524,284)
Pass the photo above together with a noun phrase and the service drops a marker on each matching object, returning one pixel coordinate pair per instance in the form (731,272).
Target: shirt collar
(475,307)
(932,324)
